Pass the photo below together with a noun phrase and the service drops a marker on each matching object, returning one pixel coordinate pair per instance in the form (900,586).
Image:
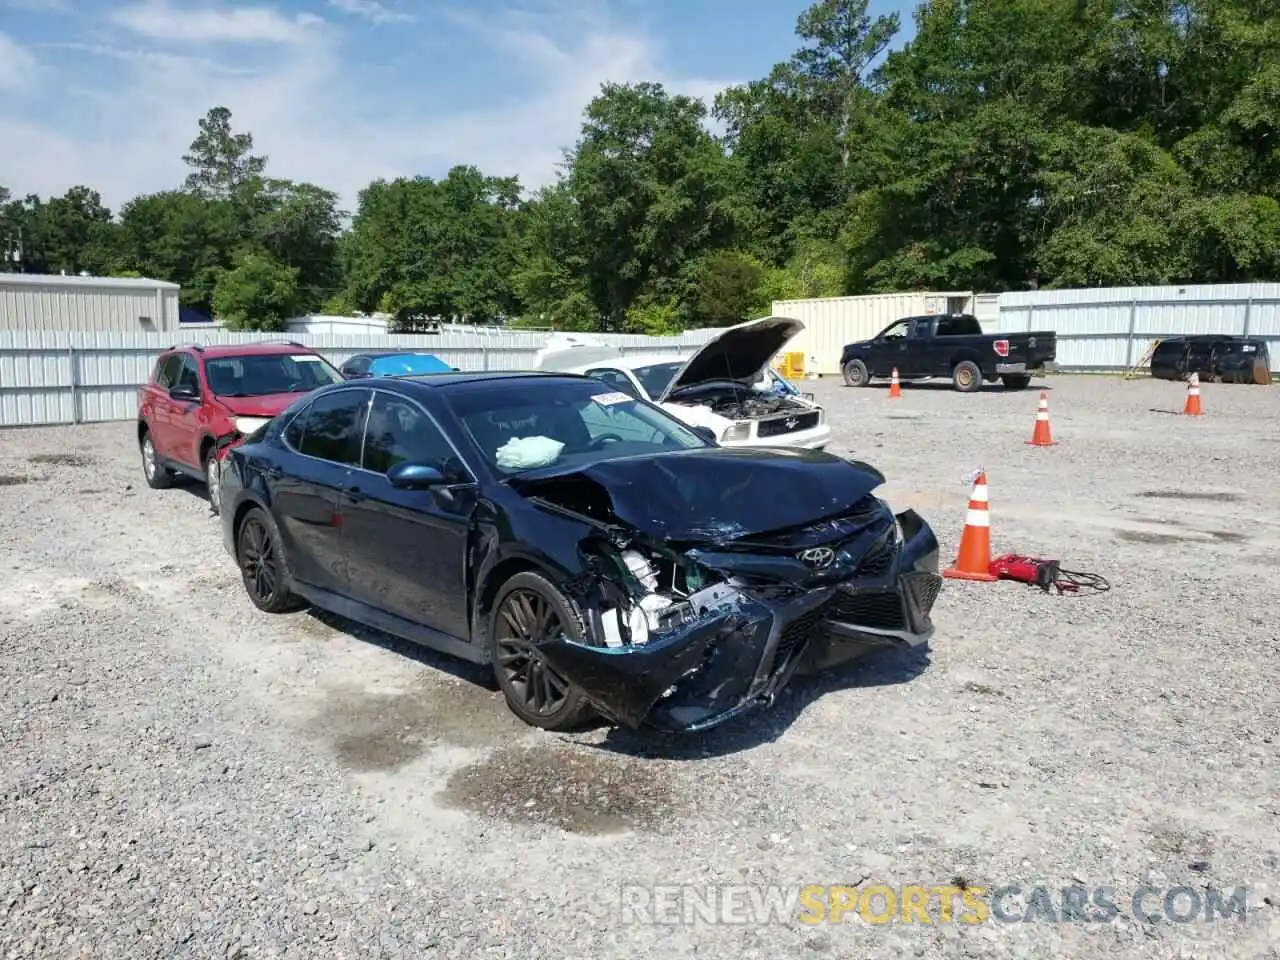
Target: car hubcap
(148,458)
(525,621)
(965,379)
(258,559)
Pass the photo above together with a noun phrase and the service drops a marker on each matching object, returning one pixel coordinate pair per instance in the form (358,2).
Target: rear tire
(527,612)
(856,374)
(966,377)
(1015,381)
(158,476)
(263,568)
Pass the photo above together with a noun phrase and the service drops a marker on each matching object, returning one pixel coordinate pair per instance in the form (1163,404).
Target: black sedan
(602,556)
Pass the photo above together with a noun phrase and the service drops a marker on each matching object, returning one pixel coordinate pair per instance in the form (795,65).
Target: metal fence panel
(50,377)
(1106,329)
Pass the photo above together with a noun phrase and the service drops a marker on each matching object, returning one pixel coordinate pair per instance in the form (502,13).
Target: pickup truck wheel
(855,374)
(966,377)
(1015,381)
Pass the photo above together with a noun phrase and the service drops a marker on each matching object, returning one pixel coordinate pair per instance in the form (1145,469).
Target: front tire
(856,374)
(158,476)
(263,569)
(966,377)
(528,612)
(211,475)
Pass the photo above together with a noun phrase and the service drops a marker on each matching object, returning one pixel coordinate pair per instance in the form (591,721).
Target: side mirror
(415,476)
(706,433)
(182,392)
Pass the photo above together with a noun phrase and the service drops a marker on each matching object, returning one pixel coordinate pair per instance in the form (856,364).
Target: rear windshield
(259,375)
(655,377)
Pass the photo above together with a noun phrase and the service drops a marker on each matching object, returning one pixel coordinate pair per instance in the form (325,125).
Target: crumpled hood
(739,353)
(717,494)
(269,405)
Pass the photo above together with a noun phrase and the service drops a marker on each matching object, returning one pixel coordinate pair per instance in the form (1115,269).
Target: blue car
(394,363)
(578,540)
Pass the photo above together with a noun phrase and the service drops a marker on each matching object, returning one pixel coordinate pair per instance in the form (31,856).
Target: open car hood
(707,496)
(739,353)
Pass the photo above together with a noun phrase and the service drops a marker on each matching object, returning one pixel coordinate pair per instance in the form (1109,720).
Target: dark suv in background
(202,399)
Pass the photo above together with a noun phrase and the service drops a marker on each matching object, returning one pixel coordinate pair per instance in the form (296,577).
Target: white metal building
(832,322)
(118,304)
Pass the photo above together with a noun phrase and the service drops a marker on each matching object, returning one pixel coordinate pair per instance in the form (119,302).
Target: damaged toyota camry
(603,557)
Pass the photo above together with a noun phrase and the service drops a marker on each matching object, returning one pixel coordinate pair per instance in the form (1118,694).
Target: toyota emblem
(819,558)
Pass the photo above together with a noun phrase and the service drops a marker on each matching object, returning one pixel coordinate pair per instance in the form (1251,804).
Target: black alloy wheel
(525,618)
(262,565)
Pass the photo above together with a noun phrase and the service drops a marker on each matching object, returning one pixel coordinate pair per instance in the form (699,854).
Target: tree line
(1011,144)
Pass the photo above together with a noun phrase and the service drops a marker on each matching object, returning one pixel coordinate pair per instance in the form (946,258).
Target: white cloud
(17,66)
(371,10)
(310,112)
(158,20)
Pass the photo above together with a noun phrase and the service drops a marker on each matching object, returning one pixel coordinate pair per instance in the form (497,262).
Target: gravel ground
(181,776)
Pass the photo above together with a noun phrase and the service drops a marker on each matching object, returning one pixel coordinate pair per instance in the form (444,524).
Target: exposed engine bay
(735,401)
(685,631)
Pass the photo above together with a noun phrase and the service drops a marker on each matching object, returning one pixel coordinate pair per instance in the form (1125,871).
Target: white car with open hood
(728,385)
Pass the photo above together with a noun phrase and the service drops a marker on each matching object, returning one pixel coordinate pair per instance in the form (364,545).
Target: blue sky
(338,92)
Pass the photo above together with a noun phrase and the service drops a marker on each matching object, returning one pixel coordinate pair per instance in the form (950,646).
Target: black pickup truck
(949,345)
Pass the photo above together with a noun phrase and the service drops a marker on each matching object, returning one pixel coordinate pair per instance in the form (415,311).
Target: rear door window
(187,375)
(958,327)
(334,428)
(166,371)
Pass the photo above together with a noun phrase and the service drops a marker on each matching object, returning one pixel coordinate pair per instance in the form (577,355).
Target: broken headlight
(736,431)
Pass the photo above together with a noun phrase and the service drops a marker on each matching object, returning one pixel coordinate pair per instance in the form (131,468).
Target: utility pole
(13,252)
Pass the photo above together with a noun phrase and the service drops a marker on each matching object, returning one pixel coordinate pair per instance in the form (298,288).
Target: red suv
(202,400)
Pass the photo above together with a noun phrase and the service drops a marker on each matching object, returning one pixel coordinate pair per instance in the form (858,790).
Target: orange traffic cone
(1192,409)
(895,388)
(973,559)
(1041,436)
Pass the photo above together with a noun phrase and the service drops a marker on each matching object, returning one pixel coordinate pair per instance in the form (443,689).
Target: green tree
(179,237)
(446,248)
(221,161)
(650,186)
(840,43)
(256,294)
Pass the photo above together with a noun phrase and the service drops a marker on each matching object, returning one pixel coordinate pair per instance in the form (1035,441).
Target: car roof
(439,381)
(243,349)
(630,361)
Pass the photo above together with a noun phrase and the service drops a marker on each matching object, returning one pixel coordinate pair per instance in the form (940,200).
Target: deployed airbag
(527,453)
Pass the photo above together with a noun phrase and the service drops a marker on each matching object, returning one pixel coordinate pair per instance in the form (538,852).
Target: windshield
(263,374)
(655,377)
(534,424)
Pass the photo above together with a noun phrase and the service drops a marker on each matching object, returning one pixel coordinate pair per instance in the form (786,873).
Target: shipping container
(832,322)
(104,304)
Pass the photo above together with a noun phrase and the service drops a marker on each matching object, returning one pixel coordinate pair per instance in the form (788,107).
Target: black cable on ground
(1074,580)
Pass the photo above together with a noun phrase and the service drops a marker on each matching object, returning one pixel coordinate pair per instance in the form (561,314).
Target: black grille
(780,425)
(881,610)
(925,590)
(795,634)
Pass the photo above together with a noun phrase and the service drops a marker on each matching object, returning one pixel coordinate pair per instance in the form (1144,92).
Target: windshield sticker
(609,399)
